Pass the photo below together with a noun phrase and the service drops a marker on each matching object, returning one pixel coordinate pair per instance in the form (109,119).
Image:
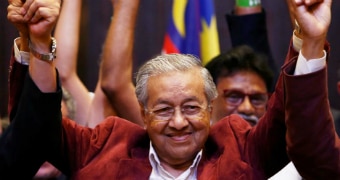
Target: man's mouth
(179,136)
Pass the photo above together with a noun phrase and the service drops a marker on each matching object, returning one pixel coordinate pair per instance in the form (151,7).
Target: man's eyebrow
(188,99)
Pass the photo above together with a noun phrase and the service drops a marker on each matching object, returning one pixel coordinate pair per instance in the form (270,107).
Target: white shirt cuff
(297,42)
(21,57)
(304,67)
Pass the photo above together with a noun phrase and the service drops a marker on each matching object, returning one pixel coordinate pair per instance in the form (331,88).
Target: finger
(292,5)
(299,2)
(311,2)
(14,15)
(48,14)
(17,3)
(328,3)
(25,7)
(36,17)
(291,12)
(31,9)
(15,19)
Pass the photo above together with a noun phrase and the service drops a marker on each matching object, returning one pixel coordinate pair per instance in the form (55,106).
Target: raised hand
(16,16)
(313,17)
(41,16)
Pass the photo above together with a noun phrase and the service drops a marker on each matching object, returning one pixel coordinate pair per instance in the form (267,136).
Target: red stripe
(169,46)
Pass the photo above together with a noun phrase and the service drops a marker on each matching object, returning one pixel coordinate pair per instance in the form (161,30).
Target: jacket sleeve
(16,78)
(312,143)
(34,131)
(267,141)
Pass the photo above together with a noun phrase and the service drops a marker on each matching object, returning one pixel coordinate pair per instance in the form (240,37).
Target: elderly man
(176,94)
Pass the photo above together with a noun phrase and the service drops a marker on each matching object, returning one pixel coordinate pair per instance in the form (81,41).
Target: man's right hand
(16,17)
(41,16)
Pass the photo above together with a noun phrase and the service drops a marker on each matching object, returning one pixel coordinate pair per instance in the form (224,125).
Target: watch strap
(45,57)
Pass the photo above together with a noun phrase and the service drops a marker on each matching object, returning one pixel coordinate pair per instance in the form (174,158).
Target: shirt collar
(158,172)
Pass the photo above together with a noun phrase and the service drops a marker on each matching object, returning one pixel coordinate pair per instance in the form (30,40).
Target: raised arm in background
(117,77)
(247,26)
(67,35)
(116,67)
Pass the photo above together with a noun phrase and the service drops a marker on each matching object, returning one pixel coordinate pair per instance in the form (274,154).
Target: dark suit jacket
(118,149)
(34,129)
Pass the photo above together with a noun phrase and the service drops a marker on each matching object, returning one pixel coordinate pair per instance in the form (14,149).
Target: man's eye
(258,99)
(191,109)
(164,111)
(233,97)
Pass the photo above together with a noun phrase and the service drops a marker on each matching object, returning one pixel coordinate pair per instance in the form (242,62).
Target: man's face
(243,93)
(177,116)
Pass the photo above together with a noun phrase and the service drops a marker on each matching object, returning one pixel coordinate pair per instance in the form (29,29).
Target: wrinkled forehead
(187,76)
(242,80)
(176,85)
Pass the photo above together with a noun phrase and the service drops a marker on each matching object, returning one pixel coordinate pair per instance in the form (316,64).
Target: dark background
(151,25)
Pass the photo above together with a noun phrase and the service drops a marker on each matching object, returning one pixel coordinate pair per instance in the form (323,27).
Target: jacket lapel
(138,167)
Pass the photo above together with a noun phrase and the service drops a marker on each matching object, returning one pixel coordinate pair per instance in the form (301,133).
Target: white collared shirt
(158,172)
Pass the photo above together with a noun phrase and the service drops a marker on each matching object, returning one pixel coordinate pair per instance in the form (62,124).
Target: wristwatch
(45,57)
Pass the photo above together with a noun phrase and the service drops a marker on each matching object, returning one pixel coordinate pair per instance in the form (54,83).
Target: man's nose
(245,107)
(178,120)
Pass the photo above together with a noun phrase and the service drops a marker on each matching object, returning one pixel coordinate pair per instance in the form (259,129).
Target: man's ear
(211,107)
(142,111)
(339,87)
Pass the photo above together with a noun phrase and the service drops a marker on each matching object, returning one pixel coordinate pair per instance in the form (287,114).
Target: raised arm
(17,70)
(42,72)
(315,150)
(67,35)
(305,128)
(84,107)
(314,17)
(247,25)
(116,67)
(25,144)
